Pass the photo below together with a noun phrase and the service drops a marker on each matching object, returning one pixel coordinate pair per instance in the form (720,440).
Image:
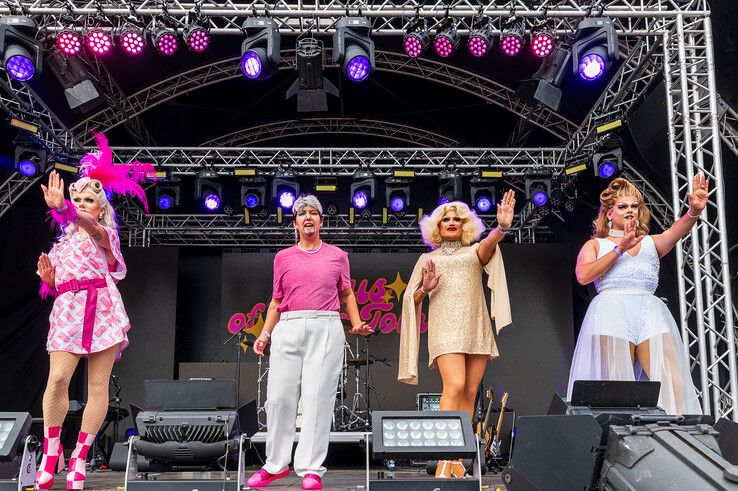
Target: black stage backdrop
(535,351)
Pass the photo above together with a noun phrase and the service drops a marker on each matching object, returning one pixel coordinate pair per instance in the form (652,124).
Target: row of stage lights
(595,46)
(255,194)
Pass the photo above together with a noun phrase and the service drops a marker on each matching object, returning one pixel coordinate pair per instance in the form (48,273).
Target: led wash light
(447,38)
(69,42)
(165,41)
(542,43)
(512,39)
(416,38)
(99,42)
(260,50)
(595,48)
(21,53)
(353,49)
(197,38)
(132,41)
(480,39)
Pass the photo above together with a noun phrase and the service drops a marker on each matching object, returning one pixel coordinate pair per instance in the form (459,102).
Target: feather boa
(122,179)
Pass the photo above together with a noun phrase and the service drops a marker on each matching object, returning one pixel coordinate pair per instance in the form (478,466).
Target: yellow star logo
(398,286)
(388,296)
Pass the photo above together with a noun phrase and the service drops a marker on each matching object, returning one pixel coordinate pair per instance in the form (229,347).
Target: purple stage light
(483,204)
(607,169)
(511,44)
(397,203)
(166,42)
(251,200)
(413,46)
(198,39)
(358,68)
(165,202)
(27,168)
(442,200)
(360,200)
(251,64)
(542,44)
(478,46)
(20,67)
(591,67)
(212,201)
(99,42)
(286,199)
(540,198)
(69,42)
(133,42)
(443,46)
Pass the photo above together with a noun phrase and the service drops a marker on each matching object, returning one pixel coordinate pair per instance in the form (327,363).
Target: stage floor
(336,479)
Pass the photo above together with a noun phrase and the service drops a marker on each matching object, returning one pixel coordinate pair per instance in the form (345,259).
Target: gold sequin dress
(458,319)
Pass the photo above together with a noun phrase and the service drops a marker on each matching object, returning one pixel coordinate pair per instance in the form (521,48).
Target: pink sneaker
(263,478)
(312,481)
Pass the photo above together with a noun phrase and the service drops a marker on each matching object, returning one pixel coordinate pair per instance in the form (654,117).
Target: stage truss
(666,38)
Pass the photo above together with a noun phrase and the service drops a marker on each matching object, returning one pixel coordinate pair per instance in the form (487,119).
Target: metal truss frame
(706,308)
(635,17)
(345,126)
(220,71)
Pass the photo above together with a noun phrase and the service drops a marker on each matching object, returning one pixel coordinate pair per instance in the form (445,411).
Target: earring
(101,216)
(609,224)
(297,236)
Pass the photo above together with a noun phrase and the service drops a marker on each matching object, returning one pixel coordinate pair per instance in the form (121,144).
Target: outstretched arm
(697,200)
(505,213)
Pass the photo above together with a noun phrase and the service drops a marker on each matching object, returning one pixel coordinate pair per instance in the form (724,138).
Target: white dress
(626,311)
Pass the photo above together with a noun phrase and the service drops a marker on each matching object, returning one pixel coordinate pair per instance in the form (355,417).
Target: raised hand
(629,239)
(363,329)
(54,193)
(430,277)
(697,199)
(506,210)
(45,269)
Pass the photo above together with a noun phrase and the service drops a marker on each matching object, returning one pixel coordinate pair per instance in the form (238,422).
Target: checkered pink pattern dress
(79,257)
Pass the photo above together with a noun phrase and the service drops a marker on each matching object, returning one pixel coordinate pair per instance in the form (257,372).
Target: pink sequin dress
(78,257)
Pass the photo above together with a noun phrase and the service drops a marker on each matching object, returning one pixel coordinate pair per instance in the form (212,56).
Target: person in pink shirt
(312,285)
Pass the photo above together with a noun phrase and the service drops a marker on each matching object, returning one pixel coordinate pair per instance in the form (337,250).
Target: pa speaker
(553,453)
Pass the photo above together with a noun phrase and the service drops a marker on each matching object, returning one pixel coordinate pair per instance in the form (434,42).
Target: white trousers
(305,362)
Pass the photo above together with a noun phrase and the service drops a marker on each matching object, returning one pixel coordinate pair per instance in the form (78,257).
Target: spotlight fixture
(449,187)
(397,194)
(311,87)
(447,38)
(168,194)
(545,87)
(353,49)
(30,161)
(542,42)
(595,48)
(69,42)
(165,40)
(21,53)
(98,41)
(253,192)
(363,189)
(537,189)
(416,38)
(483,194)
(481,37)
(513,37)
(208,189)
(608,159)
(132,40)
(260,50)
(285,188)
(196,37)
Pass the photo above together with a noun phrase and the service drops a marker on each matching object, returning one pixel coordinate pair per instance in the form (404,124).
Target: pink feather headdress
(122,179)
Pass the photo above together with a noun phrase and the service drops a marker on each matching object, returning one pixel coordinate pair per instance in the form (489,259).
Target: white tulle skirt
(615,319)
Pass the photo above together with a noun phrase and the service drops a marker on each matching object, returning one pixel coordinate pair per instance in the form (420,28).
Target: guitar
(495,452)
(484,434)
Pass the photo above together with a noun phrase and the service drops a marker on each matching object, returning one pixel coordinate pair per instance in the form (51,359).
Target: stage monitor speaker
(189,394)
(728,439)
(554,453)
(661,456)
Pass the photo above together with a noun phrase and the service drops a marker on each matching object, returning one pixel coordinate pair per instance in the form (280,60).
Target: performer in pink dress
(88,318)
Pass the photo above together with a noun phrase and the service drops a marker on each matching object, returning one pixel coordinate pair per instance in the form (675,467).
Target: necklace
(310,252)
(616,233)
(448,248)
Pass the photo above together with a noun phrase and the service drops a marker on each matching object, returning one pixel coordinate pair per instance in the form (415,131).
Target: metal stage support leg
(226,482)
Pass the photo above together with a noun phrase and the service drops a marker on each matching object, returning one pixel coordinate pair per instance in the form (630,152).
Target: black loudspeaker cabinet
(728,439)
(662,456)
(554,453)
(189,394)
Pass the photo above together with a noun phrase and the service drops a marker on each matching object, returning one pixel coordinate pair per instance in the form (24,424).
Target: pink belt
(91,286)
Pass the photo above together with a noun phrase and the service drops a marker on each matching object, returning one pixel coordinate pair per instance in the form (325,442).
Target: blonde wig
(618,188)
(471,225)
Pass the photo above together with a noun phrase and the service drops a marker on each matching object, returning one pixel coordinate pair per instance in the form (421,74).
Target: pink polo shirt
(305,281)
